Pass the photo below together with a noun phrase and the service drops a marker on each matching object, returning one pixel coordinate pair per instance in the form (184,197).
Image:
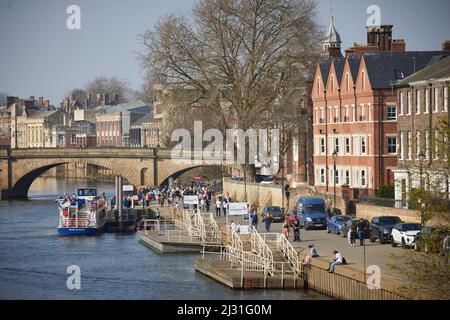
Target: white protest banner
(190,200)
(237,209)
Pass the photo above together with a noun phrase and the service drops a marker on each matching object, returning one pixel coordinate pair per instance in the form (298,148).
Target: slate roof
(339,67)
(381,66)
(440,69)
(325,69)
(148,117)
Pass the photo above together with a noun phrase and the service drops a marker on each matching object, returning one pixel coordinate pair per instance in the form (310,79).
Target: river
(34,259)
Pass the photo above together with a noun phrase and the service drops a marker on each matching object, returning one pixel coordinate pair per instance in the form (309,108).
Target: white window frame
(436,100)
(390,144)
(418,97)
(402,103)
(363,146)
(389,106)
(427,101)
(347,145)
(445,99)
(409,103)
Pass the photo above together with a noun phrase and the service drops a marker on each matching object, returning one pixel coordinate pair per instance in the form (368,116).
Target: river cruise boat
(84,214)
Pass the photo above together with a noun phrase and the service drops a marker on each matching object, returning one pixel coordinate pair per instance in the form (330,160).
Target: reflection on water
(34,259)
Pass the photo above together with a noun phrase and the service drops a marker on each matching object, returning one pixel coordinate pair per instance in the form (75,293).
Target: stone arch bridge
(20,167)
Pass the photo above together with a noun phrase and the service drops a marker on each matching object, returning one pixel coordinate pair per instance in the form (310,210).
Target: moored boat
(84,214)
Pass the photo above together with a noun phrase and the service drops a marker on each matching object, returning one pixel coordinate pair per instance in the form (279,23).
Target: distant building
(146,132)
(424,102)
(113,123)
(33,129)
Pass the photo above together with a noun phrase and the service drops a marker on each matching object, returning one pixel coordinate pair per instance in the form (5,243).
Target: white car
(405,234)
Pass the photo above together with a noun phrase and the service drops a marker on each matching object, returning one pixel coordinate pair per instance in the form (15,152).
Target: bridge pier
(119,201)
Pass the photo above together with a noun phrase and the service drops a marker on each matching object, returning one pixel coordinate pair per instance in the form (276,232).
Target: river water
(34,259)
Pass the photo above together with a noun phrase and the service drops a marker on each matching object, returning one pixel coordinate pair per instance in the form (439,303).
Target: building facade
(355,119)
(423,132)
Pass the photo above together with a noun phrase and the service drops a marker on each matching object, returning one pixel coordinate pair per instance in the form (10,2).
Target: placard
(190,200)
(238,209)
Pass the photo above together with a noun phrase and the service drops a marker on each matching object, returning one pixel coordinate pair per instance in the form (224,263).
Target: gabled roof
(383,66)
(440,69)
(325,69)
(339,64)
(353,62)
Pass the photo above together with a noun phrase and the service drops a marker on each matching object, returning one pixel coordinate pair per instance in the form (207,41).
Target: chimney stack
(11,100)
(446,46)
(99,98)
(46,105)
(41,101)
(32,98)
(105,99)
(398,45)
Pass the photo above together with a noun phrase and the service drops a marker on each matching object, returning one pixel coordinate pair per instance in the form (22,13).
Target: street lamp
(335,155)
(421,160)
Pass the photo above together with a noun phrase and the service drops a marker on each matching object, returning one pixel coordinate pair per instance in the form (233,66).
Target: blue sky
(41,57)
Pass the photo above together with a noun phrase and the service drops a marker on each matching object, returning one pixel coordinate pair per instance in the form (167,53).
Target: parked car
(335,224)
(267,180)
(381,228)
(276,212)
(351,223)
(430,240)
(405,234)
(312,213)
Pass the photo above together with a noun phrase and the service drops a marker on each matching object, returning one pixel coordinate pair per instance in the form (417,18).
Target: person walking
(268,220)
(361,232)
(286,228)
(218,207)
(353,235)
(254,217)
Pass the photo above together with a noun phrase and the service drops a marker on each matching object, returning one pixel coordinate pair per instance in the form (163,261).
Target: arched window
(318,86)
(347,82)
(332,84)
(363,75)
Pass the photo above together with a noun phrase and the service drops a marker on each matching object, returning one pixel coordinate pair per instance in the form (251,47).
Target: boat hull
(79,231)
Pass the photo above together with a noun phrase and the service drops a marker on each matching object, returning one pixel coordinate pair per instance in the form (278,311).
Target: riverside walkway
(268,260)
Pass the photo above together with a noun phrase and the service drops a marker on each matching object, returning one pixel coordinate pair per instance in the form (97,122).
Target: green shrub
(386,192)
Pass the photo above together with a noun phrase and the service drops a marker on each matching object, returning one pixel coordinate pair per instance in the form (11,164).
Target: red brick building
(355,114)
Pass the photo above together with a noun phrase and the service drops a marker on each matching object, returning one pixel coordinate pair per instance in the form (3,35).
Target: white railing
(290,254)
(200,225)
(250,262)
(212,224)
(260,247)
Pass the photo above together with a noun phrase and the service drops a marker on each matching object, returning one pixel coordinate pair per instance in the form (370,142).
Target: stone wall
(369,211)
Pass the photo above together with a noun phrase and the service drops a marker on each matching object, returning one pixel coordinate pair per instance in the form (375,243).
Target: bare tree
(104,85)
(242,61)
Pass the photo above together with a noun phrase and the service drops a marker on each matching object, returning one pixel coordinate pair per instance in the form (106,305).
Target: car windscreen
(274,210)
(411,227)
(314,208)
(342,219)
(389,220)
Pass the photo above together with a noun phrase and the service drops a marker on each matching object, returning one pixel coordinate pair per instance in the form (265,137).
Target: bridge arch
(33,169)
(180,171)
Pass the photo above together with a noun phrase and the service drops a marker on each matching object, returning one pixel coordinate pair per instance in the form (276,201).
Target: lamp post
(421,160)
(335,155)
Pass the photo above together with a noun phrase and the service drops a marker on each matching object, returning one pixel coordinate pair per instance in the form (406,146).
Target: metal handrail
(290,254)
(251,262)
